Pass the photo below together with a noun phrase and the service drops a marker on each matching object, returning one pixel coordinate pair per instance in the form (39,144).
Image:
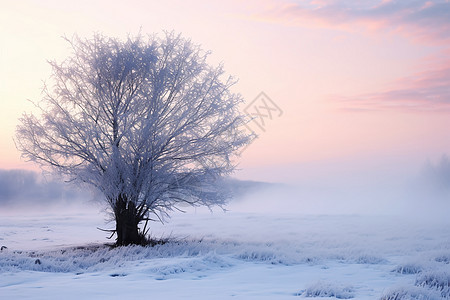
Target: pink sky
(362,81)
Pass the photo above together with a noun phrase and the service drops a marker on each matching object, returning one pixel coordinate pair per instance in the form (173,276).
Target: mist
(29,190)
(419,190)
(416,190)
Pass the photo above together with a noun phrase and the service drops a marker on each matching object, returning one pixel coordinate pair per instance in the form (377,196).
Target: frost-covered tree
(146,121)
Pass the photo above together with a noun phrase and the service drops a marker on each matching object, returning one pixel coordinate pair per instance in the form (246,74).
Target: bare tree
(146,121)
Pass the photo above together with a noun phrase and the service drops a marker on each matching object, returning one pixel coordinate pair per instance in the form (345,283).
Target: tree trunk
(126,223)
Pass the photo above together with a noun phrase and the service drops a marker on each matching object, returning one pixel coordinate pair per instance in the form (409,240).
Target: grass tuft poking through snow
(410,293)
(328,289)
(444,258)
(435,280)
(409,268)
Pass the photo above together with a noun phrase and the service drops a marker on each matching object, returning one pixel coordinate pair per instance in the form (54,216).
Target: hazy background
(363,87)
(327,189)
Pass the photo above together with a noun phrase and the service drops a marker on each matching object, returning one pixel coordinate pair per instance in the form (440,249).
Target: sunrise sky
(365,83)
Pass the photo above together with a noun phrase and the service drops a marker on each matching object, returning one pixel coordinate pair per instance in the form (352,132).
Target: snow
(220,255)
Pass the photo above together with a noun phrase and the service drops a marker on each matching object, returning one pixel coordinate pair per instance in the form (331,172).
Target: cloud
(423,21)
(423,91)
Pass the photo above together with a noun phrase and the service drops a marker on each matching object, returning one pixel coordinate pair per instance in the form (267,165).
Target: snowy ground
(221,255)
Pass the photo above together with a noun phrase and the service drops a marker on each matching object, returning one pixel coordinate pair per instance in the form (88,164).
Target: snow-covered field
(61,255)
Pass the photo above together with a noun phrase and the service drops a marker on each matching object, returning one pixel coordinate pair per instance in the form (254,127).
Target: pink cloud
(424,91)
(422,21)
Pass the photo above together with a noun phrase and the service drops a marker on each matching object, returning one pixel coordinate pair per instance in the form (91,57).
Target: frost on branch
(146,121)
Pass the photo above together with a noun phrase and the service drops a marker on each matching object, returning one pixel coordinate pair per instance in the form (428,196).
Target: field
(240,254)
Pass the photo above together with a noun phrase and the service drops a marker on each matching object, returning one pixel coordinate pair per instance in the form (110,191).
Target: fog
(29,190)
(418,190)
